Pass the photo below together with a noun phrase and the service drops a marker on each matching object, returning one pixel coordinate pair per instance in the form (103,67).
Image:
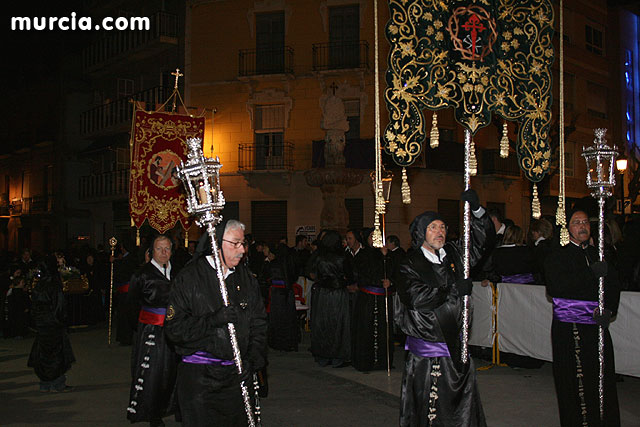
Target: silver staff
(467,241)
(201,178)
(601,179)
(112,242)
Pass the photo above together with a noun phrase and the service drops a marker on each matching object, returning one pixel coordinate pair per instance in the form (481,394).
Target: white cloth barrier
(525,313)
(481,333)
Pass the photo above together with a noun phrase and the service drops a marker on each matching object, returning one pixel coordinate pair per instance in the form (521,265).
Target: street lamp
(621,166)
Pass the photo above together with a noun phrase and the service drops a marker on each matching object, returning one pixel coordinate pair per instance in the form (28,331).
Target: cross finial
(334,86)
(178,74)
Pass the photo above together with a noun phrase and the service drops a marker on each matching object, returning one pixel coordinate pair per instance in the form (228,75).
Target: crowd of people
(364,300)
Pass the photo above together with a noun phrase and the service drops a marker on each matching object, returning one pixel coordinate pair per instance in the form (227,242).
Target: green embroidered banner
(479,57)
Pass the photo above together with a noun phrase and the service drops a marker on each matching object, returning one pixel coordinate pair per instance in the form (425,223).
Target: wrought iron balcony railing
(120,111)
(105,185)
(254,62)
(30,205)
(265,157)
(335,56)
(163,29)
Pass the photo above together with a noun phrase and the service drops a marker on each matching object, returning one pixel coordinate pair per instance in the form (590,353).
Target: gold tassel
(561,220)
(473,161)
(381,206)
(504,142)
(377,235)
(186,238)
(137,237)
(564,236)
(406,190)
(435,133)
(535,204)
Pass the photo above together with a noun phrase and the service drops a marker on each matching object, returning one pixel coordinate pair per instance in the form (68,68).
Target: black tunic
(210,394)
(369,321)
(51,354)
(330,320)
(429,307)
(125,315)
(284,332)
(568,276)
(152,358)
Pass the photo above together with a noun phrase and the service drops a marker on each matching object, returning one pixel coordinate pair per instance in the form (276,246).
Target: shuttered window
(269,221)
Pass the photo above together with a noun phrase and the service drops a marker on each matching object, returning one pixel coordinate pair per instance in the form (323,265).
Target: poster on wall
(307,230)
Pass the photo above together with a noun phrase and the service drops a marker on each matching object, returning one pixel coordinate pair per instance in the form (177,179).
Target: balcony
(140,44)
(254,62)
(116,116)
(265,157)
(493,164)
(39,204)
(338,56)
(109,185)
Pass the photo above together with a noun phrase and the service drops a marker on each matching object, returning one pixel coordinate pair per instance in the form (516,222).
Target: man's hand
(352,288)
(386,283)
(602,319)
(472,197)
(247,373)
(485,283)
(224,315)
(599,268)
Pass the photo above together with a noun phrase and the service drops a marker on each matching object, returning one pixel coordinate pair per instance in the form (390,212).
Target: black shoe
(156,423)
(65,389)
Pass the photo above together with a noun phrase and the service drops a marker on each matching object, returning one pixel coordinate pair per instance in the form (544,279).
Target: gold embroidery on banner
(499,63)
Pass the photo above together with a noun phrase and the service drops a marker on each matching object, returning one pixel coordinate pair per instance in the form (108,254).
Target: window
(569,91)
(125,88)
(352,111)
(628,69)
(568,163)
(596,100)
(594,39)
(356,213)
(269,221)
(344,35)
(269,136)
(270,42)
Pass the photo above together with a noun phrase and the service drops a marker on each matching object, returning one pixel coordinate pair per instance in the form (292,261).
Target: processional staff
(112,242)
(201,179)
(600,159)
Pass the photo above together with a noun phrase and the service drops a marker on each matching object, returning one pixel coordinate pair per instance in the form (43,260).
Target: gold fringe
(473,161)
(137,237)
(504,142)
(406,190)
(435,133)
(186,238)
(535,204)
(564,236)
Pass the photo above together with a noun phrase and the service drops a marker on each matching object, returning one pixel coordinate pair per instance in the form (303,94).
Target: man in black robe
(51,354)
(124,265)
(154,363)
(572,274)
(369,321)
(208,383)
(437,388)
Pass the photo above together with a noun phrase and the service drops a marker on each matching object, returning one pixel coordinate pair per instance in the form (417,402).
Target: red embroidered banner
(158,145)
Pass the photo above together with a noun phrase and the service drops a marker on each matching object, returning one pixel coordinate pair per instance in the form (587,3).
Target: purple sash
(203,358)
(574,311)
(523,278)
(423,348)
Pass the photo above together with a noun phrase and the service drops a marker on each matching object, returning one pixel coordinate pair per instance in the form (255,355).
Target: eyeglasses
(434,227)
(236,245)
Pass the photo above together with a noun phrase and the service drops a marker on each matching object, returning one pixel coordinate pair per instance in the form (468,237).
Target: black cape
(210,394)
(152,357)
(568,276)
(429,307)
(330,318)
